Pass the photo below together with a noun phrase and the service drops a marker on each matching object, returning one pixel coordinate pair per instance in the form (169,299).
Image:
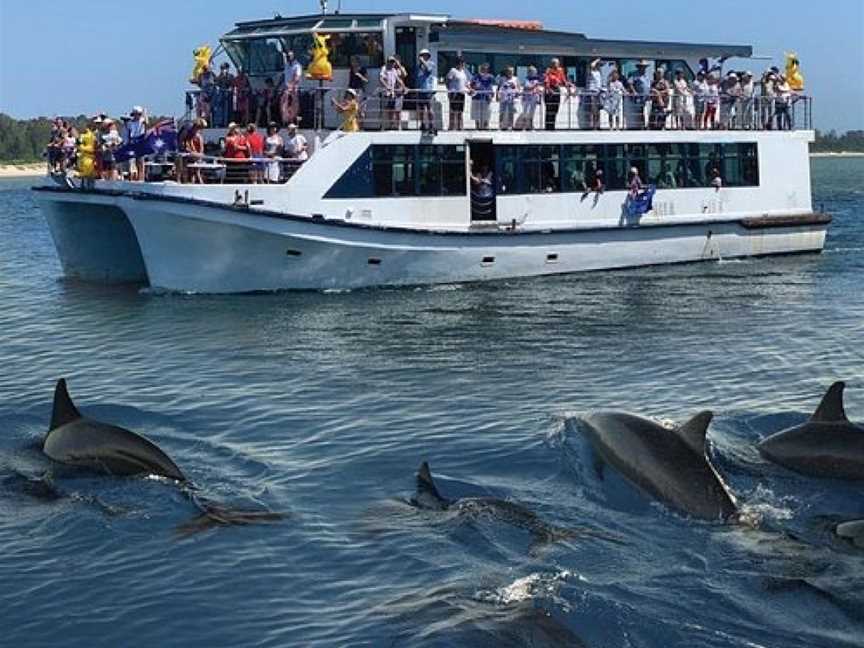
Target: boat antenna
(323,7)
(339,7)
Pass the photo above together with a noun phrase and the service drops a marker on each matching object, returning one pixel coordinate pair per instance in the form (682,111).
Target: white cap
(351,91)
(137,109)
(425,51)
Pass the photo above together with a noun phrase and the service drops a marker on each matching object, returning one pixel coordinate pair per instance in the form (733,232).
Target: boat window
(336,23)
(263,56)
(238,53)
(572,167)
(300,44)
(368,47)
(386,171)
(497,62)
(369,22)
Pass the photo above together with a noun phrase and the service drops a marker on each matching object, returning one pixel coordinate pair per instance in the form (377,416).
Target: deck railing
(577,110)
(209,169)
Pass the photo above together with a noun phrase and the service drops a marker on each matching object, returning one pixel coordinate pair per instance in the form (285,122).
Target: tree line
(24,140)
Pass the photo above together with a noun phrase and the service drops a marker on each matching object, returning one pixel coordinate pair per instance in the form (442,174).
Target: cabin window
(368,47)
(300,44)
(573,167)
(386,171)
(259,56)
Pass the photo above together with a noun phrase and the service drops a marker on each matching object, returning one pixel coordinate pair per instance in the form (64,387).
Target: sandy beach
(22,170)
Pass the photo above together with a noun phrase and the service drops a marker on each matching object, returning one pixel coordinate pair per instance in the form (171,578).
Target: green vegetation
(831,142)
(24,140)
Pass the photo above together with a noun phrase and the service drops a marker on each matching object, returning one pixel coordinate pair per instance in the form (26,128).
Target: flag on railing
(642,203)
(162,138)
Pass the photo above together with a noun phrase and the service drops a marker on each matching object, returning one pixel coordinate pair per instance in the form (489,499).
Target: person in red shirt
(256,151)
(554,80)
(236,151)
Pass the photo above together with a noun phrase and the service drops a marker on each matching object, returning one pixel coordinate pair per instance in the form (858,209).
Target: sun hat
(351,91)
(290,126)
(424,51)
(136,110)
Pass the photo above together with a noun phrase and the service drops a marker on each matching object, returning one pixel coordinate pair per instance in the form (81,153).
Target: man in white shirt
(457,86)
(136,128)
(295,145)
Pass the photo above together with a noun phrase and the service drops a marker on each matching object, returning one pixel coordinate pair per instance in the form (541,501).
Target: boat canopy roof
(485,34)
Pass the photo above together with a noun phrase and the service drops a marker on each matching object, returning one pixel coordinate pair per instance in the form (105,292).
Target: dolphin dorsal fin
(64,410)
(831,407)
(426,485)
(693,431)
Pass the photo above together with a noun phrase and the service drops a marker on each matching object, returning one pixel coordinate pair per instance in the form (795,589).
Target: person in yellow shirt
(349,107)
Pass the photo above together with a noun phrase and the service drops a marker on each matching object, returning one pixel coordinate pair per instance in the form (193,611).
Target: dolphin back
(427,495)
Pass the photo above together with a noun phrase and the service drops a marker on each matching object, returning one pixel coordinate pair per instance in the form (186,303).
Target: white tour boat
(396,207)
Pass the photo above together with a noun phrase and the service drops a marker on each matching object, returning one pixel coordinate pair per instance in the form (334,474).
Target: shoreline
(831,154)
(29,170)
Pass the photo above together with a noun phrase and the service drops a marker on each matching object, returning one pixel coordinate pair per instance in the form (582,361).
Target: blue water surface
(323,405)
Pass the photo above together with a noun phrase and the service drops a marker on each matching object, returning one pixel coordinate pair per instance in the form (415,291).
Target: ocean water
(322,406)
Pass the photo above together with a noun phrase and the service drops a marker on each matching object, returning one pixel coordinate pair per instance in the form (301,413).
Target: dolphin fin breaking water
(831,410)
(826,445)
(76,440)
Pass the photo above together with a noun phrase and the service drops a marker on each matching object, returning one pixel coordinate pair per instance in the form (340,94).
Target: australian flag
(642,203)
(162,138)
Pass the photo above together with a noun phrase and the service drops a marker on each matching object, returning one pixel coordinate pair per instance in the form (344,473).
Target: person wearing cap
(427,77)
(296,147)
(593,90)
(635,185)
(639,83)
(136,128)
(392,88)
(457,86)
(730,92)
(110,140)
(712,100)
(236,144)
(783,103)
(349,107)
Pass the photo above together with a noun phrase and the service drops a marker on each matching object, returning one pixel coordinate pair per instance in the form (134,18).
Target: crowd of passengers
(659,100)
(104,135)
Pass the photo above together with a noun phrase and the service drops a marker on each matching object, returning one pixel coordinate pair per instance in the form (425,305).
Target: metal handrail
(579,109)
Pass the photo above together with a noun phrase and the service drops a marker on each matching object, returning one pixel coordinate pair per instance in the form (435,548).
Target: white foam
(535,585)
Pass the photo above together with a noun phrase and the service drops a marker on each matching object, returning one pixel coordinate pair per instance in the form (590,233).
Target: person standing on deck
(256,151)
(553,81)
(482,90)
(640,84)
(223,97)
(392,88)
(242,98)
(427,76)
(745,109)
(593,92)
(349,107)
(508,89)
(457,86)
(296,147)
(531,93)
(680,101)
(292,75)
(136,128)
(700,95)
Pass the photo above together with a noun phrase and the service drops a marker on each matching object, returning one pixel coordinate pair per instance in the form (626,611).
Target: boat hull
(94,239)
(192,247)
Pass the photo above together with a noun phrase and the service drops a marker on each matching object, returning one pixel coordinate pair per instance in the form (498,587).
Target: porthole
(293,253)
(488,260)
(374,261)
(552,257)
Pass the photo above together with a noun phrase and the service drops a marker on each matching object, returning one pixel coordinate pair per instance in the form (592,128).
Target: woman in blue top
(482,90)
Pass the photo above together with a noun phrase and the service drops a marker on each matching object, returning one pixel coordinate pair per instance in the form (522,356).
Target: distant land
(22,141)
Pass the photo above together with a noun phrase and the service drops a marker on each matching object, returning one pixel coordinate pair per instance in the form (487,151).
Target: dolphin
(668,464)
(429,498)
(827,445)
(83,442)
(852,531)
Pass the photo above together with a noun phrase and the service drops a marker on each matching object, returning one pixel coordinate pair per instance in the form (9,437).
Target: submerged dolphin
(852,531)
(79,441)
(827,445)
(668,464)
(427,497)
